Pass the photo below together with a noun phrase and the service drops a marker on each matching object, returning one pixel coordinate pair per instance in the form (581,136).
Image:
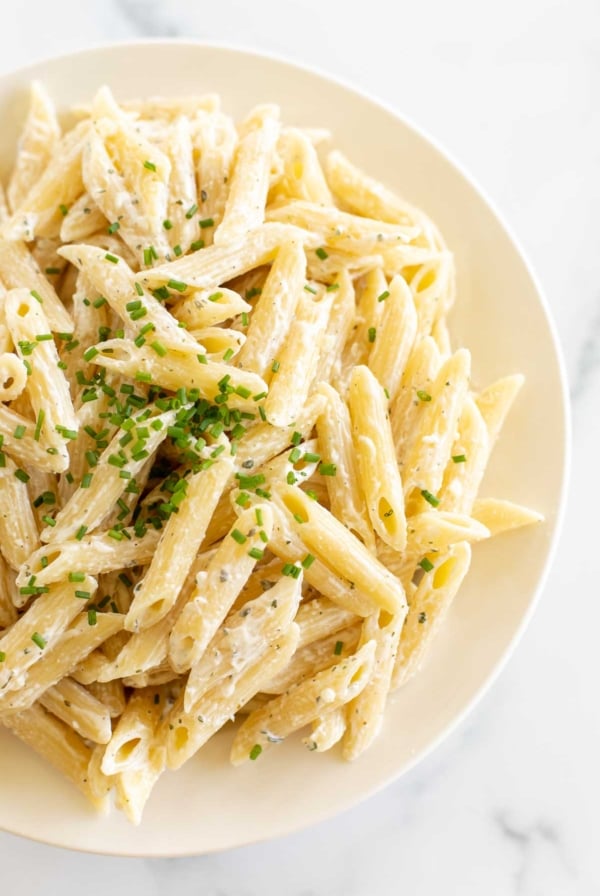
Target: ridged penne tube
(367,196)
(13,376)
(302,703)
(326,731)
(312,658)
(424,464)
(275,309)
(83,220)
(18,269)
(302,176)
(74,644)
(338,330)
(320,617)
(18,529)
(414,392)
(38,140)
(394,337)
(433,290)
(379,475)
(210,267)
(184,733)
(135,785)
(47,385)
(288,546)
(243,638)
(65,750)
(496,400)
(115,280)
(42,209)
(503,516)
(133,733)
(127,176)
(179,543)
(219,585)
(207,307)
(249,185)
(178,369)
(341,230)
(221,344)
(215,142)
(88,507)
(77,708)
(341,551)
(112,694)
(469,456)
(334,430)
(183,197)
(428,608)
(298,360)
(364,715)
(93,553)
(40,627)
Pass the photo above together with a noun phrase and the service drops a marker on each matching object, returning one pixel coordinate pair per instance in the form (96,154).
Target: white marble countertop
(509,803)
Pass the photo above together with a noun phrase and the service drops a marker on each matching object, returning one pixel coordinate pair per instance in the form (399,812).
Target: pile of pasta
(239,459)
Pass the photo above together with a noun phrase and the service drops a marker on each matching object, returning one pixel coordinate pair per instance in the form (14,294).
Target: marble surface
(509,803)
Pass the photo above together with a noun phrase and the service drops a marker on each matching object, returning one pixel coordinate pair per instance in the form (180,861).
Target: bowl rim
(349,85)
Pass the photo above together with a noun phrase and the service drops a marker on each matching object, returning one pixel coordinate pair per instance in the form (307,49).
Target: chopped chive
(206,222)
(321,253)
(332,287)
(259,516)
(431,499)
(112,228)
(177,250)
(99,302)
(244,318)
(327,469)
(308,561)
(2,656)
(295,455)
(275,366)
(290,569)
(21,475)
(255,751)
(310,289)
(215,296)
(372,334)
(63,210)
(242,499)
(149,165)
(228,355)
(83,595)
(425,564)
(310,457)
(51,271)
(256,553)
(459,458)
(37,639)
(384,295)
(36,296)
(43,337)
(92,616)
(339,646)
(296,438)
(44,562)
(197,244)
(178,285)
(191,211)
(80,532)
(76,577)
(423,396)
(112,258)
(49,520)
(167,224)
(159,348)
(19,431)
(238,536)
(86,480)
(90,353)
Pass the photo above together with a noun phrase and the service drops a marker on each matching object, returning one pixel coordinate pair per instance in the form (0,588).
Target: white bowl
(501,316)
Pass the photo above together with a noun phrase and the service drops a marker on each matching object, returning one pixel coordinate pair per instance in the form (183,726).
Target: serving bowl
(500,315)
